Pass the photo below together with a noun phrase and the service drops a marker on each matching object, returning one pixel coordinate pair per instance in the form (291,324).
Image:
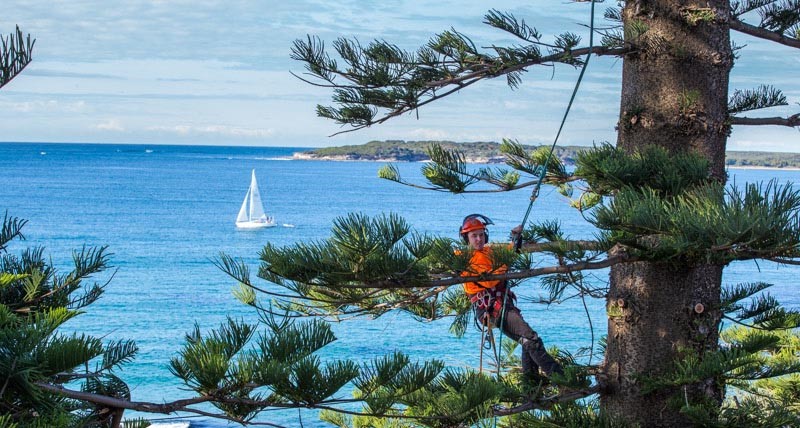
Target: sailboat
(251,215)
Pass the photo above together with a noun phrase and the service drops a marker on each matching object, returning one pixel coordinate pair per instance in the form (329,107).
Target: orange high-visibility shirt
(481,262)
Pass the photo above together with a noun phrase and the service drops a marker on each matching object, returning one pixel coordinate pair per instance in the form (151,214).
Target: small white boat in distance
(251,215)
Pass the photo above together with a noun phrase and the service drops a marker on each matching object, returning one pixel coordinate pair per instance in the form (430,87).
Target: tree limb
(447,281)
(792,121)
(530,273)
(117,403)
(532,247)
(182,405)
(485,72)
(544,403)
(139,406)
(784,261)
(762,33)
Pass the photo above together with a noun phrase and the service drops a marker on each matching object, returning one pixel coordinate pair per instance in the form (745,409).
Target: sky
(219,73)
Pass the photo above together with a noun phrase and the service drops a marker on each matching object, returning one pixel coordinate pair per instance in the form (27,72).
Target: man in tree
(494,303)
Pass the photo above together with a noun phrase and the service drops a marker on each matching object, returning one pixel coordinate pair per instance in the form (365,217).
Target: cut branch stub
(699,308)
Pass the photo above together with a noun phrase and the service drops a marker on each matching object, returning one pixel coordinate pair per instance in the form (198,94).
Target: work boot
(528,365)
(540,357)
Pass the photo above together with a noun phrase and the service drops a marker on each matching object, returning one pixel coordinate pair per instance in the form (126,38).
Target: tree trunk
(674,95)
(658,312)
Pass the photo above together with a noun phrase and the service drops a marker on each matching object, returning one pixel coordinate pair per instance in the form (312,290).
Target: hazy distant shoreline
(489,153)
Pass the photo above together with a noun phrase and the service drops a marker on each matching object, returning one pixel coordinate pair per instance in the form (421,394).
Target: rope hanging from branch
(543,168)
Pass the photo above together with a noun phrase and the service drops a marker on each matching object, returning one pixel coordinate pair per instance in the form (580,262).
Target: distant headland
(489,152)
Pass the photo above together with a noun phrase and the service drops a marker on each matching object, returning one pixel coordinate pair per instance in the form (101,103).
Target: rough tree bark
(674,94)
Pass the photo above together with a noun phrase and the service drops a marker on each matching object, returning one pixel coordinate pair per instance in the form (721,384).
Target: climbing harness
(493,300)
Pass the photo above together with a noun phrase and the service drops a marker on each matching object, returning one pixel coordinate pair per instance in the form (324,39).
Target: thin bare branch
(116,403)
(791,121)
(784,261)
(544,403)
(532,247)
(762,33)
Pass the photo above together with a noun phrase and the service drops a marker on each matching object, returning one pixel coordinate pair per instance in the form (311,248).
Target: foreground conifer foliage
(35,302)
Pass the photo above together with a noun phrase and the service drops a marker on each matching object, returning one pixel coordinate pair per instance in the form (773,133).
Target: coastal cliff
(415,151)
(488,152)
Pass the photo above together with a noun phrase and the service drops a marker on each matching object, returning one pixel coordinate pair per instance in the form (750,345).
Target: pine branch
(738,9)
(762,97)
(64,354)
(731,295)
(15,55)
(486,71)
(705,223)
(528,273)
(87,262)
(117,353)
(545,403)
(562,246)
(11,229)
(784,261)
(449,64)
(791,121)
(780,17)
(139,406)
(763,33)
(185,405)
(507,22)
(448,171)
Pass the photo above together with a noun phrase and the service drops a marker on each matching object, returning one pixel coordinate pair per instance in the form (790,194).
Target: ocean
(166,212)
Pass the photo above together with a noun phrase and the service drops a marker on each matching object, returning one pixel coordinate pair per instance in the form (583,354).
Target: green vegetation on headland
(488,152)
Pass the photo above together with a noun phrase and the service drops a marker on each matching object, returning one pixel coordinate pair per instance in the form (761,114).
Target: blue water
(166,211)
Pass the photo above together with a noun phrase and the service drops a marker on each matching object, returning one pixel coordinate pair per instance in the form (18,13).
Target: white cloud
(516,105)
(218,130)
(110,125)
(429,134)
(48,106)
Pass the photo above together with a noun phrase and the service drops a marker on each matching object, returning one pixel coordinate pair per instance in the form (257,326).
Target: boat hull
(254,224)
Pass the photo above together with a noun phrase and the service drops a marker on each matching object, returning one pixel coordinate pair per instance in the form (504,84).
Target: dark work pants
(534,354)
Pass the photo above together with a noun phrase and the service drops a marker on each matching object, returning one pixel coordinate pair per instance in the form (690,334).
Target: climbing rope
(499,351)
(538,186)
(483,342)
(543,172)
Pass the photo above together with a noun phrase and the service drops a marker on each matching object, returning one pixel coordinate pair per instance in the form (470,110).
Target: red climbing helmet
(472,223)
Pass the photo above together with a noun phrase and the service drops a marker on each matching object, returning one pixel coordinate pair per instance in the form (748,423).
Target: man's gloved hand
(516,237)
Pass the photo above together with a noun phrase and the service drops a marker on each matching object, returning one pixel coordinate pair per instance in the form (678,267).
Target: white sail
(251,214)
(243,210)
(256,207)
